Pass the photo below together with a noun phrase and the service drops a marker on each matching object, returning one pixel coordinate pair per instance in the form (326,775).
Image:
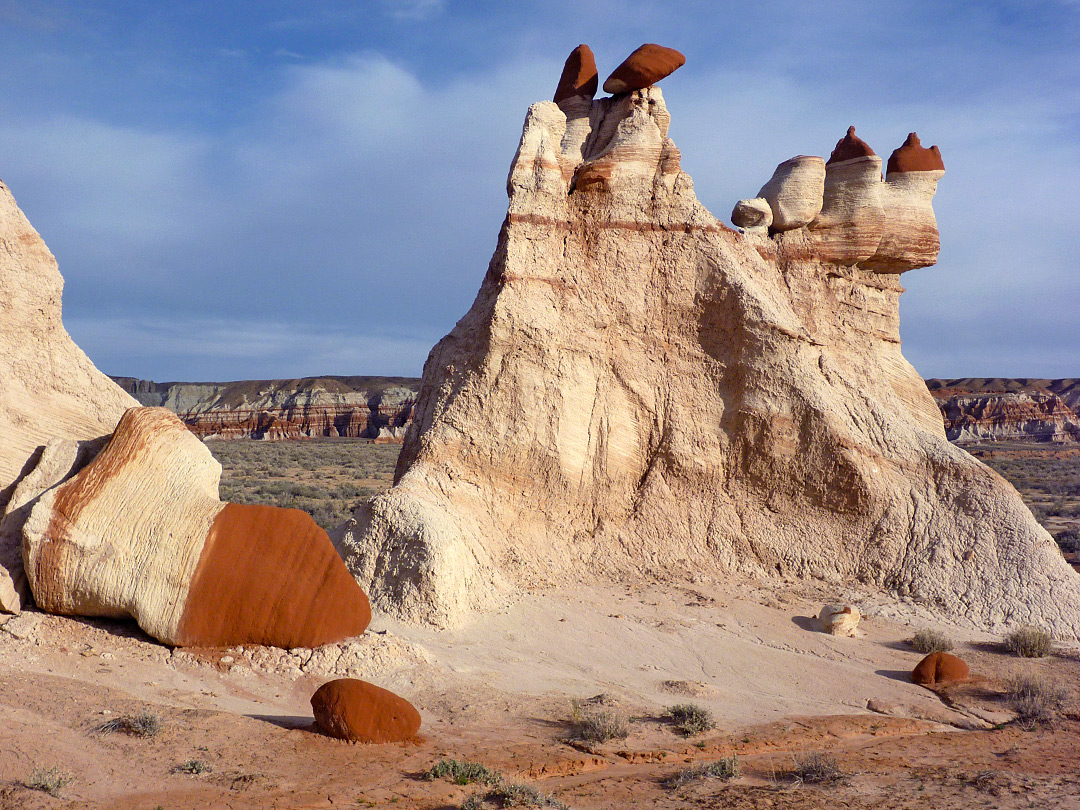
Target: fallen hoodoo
(140,532)
(49,389)
(640,392)
(358,711)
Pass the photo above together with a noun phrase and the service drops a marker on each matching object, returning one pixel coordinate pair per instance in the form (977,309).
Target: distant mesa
(579,76)
(849,147)
(357,711)
(912,156)
(645,66)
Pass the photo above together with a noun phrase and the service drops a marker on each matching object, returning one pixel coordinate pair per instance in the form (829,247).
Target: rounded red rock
(940,669)
(912,156)
(645,66)
(849,147)
(579,76)
(358,711)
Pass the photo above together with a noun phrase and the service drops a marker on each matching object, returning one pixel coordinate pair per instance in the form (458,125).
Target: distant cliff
(365,407)
(973,408)
(992,409)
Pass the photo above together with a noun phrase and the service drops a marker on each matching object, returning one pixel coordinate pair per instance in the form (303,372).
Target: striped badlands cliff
(641,393)
(993,409)
(362,407)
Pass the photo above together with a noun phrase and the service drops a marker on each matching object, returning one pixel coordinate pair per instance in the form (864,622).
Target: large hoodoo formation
(640,392)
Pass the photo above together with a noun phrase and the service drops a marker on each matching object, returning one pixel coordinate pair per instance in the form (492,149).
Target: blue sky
(273,189)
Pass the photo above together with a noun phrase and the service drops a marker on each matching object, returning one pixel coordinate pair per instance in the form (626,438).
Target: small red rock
(358,711)
(645,66)
(912,156)
(849,147)
(579,76)
(939,669)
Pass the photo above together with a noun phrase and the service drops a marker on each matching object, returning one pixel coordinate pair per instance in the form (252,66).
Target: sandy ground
(500,691)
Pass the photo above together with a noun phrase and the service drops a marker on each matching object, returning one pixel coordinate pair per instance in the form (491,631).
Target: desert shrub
(690,718)
(1029,642)
(931,641)
(48,780)
(1036,700)
(192,766)
(726,768)
(143,724)
(461,772)
(593,724)
(1068,540)
(816,768)
(516,794)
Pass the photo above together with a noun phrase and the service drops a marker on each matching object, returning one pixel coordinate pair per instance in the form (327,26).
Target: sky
(246,190)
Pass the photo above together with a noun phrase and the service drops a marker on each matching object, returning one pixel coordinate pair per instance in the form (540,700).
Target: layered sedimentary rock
(993,409)
(359,407)
(357,711)
(795,192)
(639,392)
(140,532)
(49,389)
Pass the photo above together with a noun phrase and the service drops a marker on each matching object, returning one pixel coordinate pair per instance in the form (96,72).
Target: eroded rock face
(940,669)
(646,66)
(357,711)
(140,532)
(979,409)
(639,392)
(796,192)
(49,389)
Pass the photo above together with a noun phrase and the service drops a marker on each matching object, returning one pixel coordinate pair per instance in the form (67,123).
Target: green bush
(48,780)
(592,724)
(461,772)
(691,719)
(1029,642)
(816,768)
(726,768)
(1036,700)
(931,641)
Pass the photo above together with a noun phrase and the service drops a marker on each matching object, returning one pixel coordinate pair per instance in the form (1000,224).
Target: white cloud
(413,10)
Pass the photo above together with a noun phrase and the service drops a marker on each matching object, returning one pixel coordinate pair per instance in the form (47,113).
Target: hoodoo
(639,392)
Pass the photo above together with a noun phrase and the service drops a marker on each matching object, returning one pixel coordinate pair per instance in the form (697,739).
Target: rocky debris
(795,193)
(940,669)
(50,388)
(140,532)
(754,213)
(912,156)
(356,407)
(357,711)
(579,76)
(640,393)
(980,409)
(644,67)
(839,620)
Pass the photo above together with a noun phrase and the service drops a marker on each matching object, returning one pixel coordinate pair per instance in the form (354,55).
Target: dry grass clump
(931,641)
(691,719)
(725,768)
(514,794)
(1037,700)
(816,768)
(143,724)
(592,724)
(192,766)
(48,780)
(1029,642)
(462,772)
